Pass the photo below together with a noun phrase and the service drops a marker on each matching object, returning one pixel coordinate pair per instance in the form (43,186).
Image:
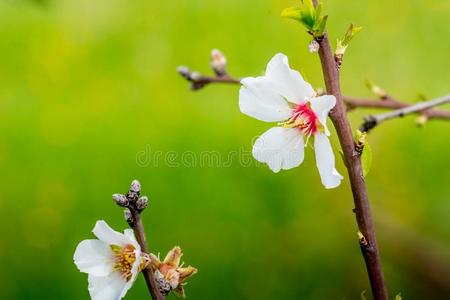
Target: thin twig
(391,103)
(198,81)
(139,232)
(372,121)
(134,205)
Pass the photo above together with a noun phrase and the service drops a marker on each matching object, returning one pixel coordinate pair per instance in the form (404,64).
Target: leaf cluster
(311,17)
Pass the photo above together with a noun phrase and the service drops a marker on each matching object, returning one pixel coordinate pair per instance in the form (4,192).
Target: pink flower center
(305,119)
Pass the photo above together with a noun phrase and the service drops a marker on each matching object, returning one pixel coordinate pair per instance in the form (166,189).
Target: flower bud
(313,46)
(142,203)
(128,216)
(218,62)
(184,71)
(195,76)
(421,120)
(135,186)
(121,200)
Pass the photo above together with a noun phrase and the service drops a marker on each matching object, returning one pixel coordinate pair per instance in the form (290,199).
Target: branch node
(360,142)
(369,123)
(362,240)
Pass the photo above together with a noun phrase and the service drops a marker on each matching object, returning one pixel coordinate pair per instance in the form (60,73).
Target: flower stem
(139,232)
(368,242)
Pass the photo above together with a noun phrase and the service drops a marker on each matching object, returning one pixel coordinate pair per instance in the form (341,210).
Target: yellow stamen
(125,258)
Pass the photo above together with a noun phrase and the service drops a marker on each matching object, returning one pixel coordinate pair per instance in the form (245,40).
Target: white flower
(282,95)
(112,262)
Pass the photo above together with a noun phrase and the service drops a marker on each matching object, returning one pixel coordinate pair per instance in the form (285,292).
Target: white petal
(322,106)
(129,234)
(280,148)
(258,100)
(109,236)
(94,257)
(112,287)
(325,161)
(288,82)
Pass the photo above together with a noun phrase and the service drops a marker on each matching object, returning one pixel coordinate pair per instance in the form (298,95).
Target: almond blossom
(283,96)
(112,262)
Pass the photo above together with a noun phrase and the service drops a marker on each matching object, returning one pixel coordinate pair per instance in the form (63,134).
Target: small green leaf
(291,12)
(319,28)
(366,159)
(342,44)
(366,156)
(375,89)
(309,11)
(398,297)
(318,10)
(309,16)
(351,32)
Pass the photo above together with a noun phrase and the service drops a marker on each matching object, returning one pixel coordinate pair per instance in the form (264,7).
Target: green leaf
(366,156)
(398,297)
(366,159)
(291,12)
(320,25)
(309,11)
(309,16)
(318,10)
(351,32)
(342,44)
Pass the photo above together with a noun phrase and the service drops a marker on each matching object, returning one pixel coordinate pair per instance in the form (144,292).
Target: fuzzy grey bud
(195,76)
(183,71)
(142,203)
(218,62)
(135,186)
(128,216)
(121,200)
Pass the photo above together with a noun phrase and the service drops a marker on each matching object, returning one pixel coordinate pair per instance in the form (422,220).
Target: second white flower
(283,96)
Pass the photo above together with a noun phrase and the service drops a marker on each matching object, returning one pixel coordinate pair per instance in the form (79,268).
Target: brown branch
(391,103)
(424,107)
(368,242)
(139,232)
(134,206)
(198,81)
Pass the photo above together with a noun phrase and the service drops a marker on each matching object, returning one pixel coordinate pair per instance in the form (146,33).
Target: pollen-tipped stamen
(303,118)
(125,258)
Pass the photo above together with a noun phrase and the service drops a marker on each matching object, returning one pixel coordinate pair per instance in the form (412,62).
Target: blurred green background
(89,92)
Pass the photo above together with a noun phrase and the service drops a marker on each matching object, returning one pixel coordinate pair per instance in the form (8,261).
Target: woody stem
(368,242)
(139,232)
